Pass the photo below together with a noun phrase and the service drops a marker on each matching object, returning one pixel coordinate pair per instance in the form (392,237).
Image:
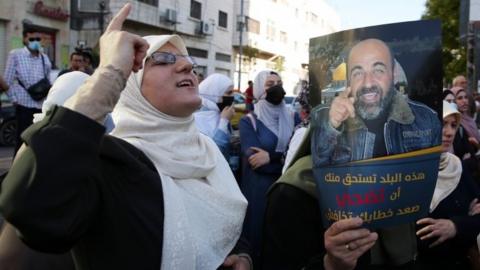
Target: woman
(450,229)
(300,129)
(213,117)
(264,136)
(467,139)
(136,200)
(467,123)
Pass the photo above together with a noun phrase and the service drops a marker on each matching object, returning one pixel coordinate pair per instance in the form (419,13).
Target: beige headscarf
(450,169)
(204,208)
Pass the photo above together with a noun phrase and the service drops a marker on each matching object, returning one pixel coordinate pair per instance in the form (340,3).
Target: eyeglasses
(165,58)
(35,39)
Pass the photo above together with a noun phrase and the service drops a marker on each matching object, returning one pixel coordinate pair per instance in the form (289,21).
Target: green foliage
(250,52)
(279,64)
(453,53)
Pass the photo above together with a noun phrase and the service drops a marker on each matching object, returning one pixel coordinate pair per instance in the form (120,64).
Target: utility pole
(102,14)
(241,23)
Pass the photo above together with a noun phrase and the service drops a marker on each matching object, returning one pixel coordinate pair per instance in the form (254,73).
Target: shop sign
(56,13)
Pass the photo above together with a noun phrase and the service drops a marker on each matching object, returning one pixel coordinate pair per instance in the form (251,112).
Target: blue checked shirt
(22,65)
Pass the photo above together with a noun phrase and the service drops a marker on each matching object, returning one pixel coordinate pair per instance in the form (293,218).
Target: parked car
(8,124)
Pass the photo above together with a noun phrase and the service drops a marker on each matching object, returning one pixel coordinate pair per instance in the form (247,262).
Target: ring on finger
(348,247)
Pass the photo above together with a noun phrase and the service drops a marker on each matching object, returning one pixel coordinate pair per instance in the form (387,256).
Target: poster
(376,129)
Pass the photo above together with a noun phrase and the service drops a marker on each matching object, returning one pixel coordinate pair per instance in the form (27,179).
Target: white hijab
(448,178)
(204,208)
(450,169)
(211,89)
(277,118)
(62,89)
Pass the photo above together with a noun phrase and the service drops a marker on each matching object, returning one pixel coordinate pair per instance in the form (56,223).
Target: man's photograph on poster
(376,95)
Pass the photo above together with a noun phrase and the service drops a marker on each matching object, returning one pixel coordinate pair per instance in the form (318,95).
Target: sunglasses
(34,39)
(166,58)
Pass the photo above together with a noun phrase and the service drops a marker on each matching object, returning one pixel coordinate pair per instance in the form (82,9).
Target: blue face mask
(34,45)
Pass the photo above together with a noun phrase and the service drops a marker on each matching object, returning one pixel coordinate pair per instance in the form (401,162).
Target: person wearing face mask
(25,67)
(264,136)
(212,119)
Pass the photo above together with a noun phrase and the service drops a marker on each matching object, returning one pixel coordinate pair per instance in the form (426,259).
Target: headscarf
(450,166)
(211,89)
(203,206)
(456,89)
(62,89)
(447,92)
(277,118)
(467,122)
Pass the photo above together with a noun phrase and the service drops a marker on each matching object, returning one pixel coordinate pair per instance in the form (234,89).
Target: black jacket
(76,188)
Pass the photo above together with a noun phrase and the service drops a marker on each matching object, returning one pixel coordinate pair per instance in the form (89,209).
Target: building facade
(49,17)
(206,27)
(276,35)
(275,32)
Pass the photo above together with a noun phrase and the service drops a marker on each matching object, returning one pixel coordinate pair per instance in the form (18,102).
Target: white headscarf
(204,208)
(277,118)
(450,169)
(62,89)
(211,89)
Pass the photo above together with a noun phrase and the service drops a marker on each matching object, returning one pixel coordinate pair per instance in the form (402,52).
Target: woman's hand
(121,49)
(227,112)
(236,262)
(260,158)
(474,142)
(474,207)
(443,229)
(345,242)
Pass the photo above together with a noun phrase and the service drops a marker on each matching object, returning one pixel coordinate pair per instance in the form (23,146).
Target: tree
(453,53)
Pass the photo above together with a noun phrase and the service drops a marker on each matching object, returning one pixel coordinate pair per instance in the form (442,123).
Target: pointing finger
(346,92)
(117,21)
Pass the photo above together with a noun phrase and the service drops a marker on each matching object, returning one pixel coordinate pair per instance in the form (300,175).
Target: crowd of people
(131,166)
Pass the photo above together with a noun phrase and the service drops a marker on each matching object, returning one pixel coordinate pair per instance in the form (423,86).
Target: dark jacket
(410,126)
(452,254)
(76,188)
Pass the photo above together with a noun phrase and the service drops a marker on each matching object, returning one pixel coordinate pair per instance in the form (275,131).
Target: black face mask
(226,101)
(275,94)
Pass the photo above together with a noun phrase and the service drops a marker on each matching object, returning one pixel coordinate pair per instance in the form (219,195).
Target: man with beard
(369,119)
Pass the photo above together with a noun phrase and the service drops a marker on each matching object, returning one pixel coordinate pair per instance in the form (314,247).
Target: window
(149,2)
(195,9)
(271,31)
(197,52)
(253,26)
(222,57)
(222,19)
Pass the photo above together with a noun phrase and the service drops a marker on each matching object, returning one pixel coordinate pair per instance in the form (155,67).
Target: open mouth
(370,98)
(185,83)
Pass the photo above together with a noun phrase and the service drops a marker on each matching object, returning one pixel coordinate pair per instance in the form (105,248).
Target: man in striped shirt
(25,67)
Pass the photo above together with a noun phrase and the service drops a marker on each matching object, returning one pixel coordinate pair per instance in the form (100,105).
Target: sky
(361,13)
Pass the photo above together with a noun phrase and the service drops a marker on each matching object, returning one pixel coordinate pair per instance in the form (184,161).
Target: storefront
(48,17)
